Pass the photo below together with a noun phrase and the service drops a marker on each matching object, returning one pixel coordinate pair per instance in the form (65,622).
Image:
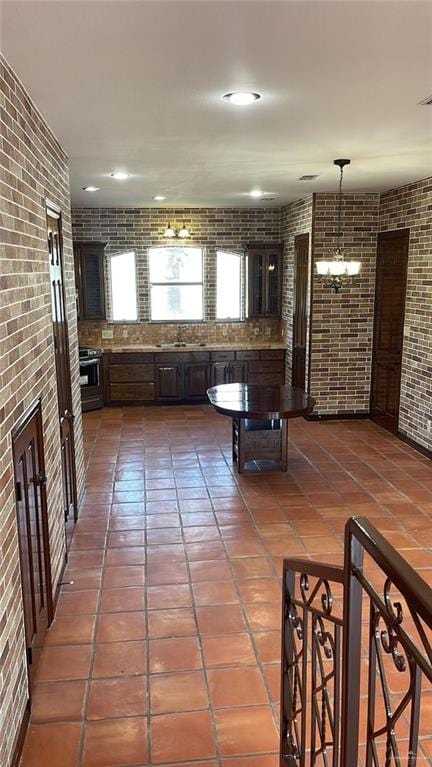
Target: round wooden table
(260,416)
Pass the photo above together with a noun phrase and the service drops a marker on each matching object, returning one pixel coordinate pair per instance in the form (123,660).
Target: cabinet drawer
(179,357)
(266,366)
(222,356)
(129,392)
(130,358)
(125,373)
(266,378)
(248,355)
(272,354)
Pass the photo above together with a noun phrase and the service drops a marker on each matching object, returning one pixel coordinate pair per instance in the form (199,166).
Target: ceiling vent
(308,178)
(265,197)
(427,102)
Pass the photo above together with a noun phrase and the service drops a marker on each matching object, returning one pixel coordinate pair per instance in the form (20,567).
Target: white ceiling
(137,86)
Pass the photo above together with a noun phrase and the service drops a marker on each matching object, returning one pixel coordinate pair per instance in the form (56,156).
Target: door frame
(388,234)
(303,236)
(51,208)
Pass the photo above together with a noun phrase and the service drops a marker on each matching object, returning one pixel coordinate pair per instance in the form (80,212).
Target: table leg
(241,445)
(234,454)
(284,445)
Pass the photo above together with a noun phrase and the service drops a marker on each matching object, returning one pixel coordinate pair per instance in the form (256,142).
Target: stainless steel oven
(90,362)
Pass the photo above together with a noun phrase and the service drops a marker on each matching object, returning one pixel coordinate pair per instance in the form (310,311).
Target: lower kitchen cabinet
(196,380)
(169,382)
(174,377)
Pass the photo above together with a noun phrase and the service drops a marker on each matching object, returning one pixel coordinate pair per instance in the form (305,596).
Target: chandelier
(336,272)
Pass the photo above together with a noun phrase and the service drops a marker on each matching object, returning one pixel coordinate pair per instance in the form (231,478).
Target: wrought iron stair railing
(356,683)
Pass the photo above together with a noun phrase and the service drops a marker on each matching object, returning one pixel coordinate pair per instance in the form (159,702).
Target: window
(123,288)
(229,286)
(176,283)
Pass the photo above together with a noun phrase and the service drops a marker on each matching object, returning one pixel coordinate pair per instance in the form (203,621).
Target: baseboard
(337,416)
(19,742)
(59,584)
(415,445)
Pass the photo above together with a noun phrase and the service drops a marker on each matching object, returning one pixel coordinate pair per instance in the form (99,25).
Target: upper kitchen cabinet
(89,280)
(264,279)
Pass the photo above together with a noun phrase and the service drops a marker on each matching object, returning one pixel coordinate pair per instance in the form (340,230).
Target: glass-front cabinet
(264,279)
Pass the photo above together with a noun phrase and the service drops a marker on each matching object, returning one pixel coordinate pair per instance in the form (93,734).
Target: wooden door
(62,360)
(32,523)
(169,382)
(196,380)
(390,291)
(300,318)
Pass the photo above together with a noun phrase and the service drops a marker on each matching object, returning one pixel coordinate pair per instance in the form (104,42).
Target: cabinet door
(220,373)
(264,267)
(196,381)
(90,281)
(169,382)
(256,284)
(239,372)
(273,284)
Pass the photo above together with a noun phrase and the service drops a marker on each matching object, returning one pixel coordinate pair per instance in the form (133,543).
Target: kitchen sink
(181,345)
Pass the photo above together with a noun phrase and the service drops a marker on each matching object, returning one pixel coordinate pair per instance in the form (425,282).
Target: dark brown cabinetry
(264,279)
(173,377)
(196,380)
(89,280)
(129,378)
(169,382)
(226,368)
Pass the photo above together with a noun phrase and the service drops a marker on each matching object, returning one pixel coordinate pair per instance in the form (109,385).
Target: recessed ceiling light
(241,98)
(159,197)
(119,175)
(256,193)
(91,188)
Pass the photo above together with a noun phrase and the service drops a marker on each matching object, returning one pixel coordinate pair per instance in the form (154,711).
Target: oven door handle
(89,363)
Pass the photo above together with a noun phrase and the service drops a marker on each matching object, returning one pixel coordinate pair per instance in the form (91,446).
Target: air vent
(427,102)
(264,197)
(308,178)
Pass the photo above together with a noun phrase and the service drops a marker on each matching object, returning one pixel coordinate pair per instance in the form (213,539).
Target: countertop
(238,346)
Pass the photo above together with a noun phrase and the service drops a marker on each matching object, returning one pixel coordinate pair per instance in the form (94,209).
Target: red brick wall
(342,324)
(296,218)
(33,167)
(411,206)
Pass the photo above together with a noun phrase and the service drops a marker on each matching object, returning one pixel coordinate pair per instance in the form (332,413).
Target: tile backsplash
(91,333)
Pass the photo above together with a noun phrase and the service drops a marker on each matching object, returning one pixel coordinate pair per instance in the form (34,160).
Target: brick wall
(33,166)
(342,324)
(296,218)
(212,228)
(411,206)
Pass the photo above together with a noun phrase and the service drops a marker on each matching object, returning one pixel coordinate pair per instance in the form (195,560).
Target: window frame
(110,256)
(202,283)
(242,294)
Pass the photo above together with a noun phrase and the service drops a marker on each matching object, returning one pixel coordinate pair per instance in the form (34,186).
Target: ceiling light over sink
(91,189)
(119,175)
(241,98)
(159,197)
(256,193)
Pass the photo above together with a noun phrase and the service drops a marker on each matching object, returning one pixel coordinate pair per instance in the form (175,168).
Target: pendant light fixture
(336,272)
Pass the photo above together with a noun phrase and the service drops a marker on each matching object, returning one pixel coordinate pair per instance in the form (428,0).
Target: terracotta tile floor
(165,648)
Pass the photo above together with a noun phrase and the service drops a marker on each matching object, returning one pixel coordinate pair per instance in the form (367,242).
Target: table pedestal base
(259,441)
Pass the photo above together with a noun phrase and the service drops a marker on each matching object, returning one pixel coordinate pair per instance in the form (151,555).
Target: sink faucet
(180,334)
